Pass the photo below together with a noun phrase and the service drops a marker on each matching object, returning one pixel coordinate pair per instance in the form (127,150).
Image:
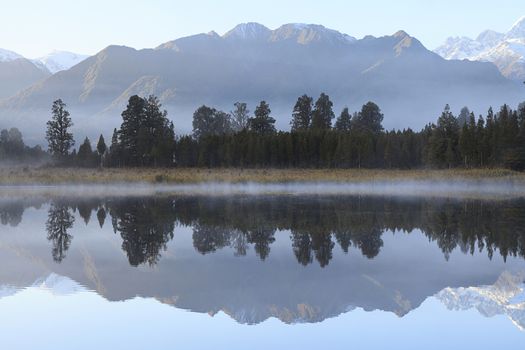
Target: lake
(260,271)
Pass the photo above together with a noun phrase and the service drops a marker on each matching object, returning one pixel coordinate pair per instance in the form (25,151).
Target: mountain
(57,61)
(250,63)
(505,50)
(6,55)
(58,285)
(17,73)
(505,297)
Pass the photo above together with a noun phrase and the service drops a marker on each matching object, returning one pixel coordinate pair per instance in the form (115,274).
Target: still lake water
(261,272)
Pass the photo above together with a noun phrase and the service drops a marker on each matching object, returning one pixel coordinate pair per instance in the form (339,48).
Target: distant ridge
(250,63)
(505,50)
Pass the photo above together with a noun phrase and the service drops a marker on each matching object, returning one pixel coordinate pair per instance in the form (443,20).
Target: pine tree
(132,118)
(322,114)
(369,119)
(145,136)
(58,136)
(302,114)
(101,146)
(101,149)
(85,154)
(464,143)
(262,123)
(343,122)
(443,142)
(481,142)
(463,116)
(491,136)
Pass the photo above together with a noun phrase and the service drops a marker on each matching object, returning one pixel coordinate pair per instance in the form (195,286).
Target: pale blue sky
(35,27)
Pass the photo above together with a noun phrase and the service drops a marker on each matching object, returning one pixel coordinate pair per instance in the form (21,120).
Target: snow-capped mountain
(7,290)
(459,48)
(58,285)
(7,56)
(250,30)
(309,33)
(505,297)
(505,50)
(17,73)
(57,61)
(251,62)
(518,30)
(55,284)
(53,62)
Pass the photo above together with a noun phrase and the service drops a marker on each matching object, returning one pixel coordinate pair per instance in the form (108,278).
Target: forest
(316,139)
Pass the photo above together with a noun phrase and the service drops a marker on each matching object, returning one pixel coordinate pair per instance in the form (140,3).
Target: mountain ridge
(505,50)
(250,63)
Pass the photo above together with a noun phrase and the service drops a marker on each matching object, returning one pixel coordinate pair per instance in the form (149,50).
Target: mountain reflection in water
(314,257)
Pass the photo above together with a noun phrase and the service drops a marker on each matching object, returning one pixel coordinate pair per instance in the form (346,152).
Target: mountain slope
(57,61)
(506,51)
(252,62)
(6,55)
(17,73)
(506,296)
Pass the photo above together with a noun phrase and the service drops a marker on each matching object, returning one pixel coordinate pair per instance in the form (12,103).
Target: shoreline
(13,176)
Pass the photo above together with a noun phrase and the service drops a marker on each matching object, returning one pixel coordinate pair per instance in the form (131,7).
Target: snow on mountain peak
(60,60)
(307,33)
(518,29)
(7,56)
(505,297)
(506,51)
(490,38)
(459,48)
(59,285)
(250,30)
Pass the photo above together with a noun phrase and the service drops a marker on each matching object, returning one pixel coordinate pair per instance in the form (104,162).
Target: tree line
(316,139)
(14,150)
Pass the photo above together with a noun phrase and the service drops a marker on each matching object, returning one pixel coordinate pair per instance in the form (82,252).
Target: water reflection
(296,258)
(315,224)
(59,222)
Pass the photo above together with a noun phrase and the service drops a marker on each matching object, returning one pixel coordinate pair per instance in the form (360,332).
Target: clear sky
(35,27)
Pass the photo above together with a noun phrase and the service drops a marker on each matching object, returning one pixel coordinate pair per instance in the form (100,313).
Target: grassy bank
(20,176)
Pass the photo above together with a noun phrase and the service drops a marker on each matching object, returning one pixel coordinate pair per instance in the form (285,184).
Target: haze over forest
(251,63)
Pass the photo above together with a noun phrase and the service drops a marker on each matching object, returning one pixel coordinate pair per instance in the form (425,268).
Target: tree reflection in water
(316,224)
(59,221)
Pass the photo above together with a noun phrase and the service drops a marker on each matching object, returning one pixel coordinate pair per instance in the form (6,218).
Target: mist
(483,189)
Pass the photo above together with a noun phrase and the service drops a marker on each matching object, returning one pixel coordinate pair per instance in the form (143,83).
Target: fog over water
(434,188)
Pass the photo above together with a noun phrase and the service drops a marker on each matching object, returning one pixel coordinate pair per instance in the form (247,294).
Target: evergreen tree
(101,149)
(467,142)
(85,154)
(481,142)
(463,116)
(343,122)
(322,114)
(12,144)
(59,138)
(521,117)
(146,136)
(302,114)
(262,123)
(132,118)
(369,119)
(492,137)
(208,121)
(443,142)
(101,146)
